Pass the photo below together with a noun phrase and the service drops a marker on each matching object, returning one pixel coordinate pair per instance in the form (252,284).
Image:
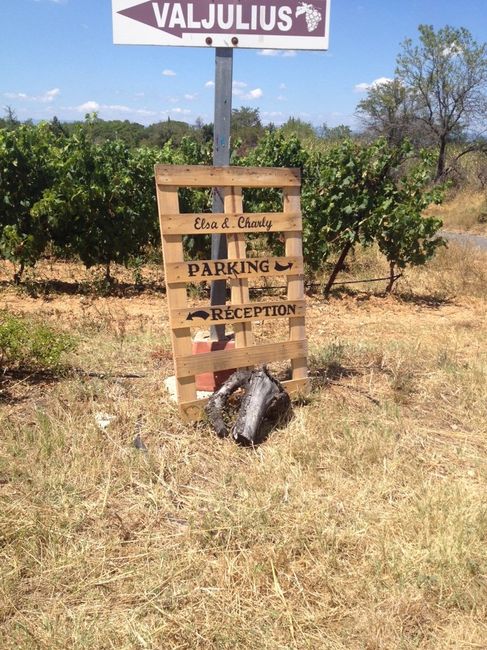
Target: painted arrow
(280,267)
(198,314)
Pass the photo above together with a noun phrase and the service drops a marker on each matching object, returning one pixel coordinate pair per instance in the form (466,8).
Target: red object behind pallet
(211,381)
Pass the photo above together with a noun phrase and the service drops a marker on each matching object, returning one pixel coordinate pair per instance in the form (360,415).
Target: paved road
(465,238)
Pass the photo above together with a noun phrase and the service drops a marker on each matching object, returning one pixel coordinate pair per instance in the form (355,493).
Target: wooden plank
(203,176)
(231,222)
(199,270)
(172,246)
(295,283)
(226,314)
(195,410)
(239,287)
(242,358)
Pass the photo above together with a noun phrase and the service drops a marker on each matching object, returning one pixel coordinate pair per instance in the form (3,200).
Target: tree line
(95,201)
(86,189)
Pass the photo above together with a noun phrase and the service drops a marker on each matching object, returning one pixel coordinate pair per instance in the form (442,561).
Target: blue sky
(58,58)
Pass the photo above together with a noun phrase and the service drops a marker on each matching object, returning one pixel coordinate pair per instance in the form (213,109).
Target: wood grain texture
(229,222)
(202,316)
(199,270)
(239,358)
(168,201)
(202,176)
(239,287)
(295,283)
(237,269)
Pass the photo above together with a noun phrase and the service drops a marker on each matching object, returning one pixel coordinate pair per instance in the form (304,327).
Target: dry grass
(361,525)
(464,212)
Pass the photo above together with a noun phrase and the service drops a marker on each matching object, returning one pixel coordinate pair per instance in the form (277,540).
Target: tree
(156,135)
(10,121)
(299,128)
(388,111)
(405,236)
(247,127)
(335,133)
(446,74)
(101,205)
(27,170)
(363,194)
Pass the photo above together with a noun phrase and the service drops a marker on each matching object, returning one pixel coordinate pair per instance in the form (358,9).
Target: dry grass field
(465,212)
(360,525)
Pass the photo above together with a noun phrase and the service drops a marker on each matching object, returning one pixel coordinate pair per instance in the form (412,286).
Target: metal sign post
(223,25)
(221,158)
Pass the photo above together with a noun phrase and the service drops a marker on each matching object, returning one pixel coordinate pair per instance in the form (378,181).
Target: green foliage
(361,194)
(405,236)
(96,200)
(247,127)
(273,150)
(299,129)
(388,110)
(346,192)
(100,206)
(28,345)
(173,131)
(335,133)
(26,172)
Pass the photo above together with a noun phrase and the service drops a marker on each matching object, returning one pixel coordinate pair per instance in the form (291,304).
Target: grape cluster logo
(312,14)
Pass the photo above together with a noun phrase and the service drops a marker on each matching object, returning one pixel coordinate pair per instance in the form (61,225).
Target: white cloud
(190,97)
(95,107)
(283,53)
(88,107)
(177,111)
(255,94)
(272,114)
(168,73)
(238,91)
(364,86)
(210,84)
(50,95)
(45,98)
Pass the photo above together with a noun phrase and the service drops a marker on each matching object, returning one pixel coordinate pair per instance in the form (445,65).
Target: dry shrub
(459,271)
(463,211)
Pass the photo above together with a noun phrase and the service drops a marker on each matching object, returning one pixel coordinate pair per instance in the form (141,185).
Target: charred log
(264,402)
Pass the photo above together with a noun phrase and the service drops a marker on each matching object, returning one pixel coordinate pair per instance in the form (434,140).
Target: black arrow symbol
(280,267)
(198,314)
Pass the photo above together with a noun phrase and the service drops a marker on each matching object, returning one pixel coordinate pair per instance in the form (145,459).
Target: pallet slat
(230,223)
(201,176)
(203,316)
(240,358)
(295,285)
(199,270)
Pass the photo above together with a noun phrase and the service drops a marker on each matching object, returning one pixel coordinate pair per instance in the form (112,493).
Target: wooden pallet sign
(237,269)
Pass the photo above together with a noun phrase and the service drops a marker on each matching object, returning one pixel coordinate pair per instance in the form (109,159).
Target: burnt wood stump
(264,403)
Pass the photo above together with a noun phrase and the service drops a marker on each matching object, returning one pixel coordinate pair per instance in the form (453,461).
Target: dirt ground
(359,525)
